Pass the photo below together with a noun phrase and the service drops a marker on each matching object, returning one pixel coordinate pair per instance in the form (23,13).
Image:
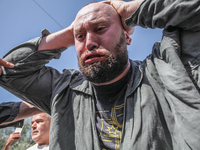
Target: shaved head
(98,7)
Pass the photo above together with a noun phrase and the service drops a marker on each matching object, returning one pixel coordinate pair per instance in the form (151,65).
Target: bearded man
(114,102)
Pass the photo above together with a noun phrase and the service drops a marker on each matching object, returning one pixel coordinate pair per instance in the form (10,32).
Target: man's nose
(91,41)
(33,126)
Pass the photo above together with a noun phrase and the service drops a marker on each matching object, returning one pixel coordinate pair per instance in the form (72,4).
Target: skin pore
(101,44)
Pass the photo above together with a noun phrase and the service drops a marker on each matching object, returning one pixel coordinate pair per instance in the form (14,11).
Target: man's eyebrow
(37,120)
(93,22)
(100,20)
(77,29)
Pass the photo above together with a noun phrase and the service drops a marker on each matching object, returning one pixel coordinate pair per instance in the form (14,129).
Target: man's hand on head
(5,64)
(125,10)
(71,27)
(60,39)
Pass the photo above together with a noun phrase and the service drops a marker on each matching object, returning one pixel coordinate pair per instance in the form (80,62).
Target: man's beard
(108,69)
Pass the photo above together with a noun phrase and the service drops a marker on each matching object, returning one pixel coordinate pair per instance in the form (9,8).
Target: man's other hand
(15,136)
(125,10)
(5,64)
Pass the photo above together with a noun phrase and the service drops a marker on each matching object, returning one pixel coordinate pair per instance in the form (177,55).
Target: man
(117,103)
(39,132)
(10,112)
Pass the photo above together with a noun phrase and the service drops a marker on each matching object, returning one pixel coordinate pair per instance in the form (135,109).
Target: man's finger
(6,64)
(16,139)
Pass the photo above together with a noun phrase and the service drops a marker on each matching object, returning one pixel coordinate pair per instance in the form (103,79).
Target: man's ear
(128,38)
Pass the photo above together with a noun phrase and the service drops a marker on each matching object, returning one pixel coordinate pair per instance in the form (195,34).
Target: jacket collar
(136,76)
(85,86)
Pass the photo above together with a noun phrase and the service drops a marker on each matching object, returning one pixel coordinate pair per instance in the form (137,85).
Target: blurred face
(40,129)
(101,43)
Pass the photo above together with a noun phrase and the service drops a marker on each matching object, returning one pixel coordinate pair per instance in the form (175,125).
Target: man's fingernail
(11,65)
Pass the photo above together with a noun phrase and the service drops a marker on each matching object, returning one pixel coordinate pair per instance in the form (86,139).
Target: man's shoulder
(135,62)
(71,71)
(35,147)
(72,76)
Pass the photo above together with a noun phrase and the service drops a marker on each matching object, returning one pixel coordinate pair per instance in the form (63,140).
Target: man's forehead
(94,13)
(39,117)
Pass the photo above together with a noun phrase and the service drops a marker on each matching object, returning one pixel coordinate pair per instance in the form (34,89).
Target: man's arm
(57,40)
(25,110)
(22,80)
(159,13)
(167,14)
(60,39)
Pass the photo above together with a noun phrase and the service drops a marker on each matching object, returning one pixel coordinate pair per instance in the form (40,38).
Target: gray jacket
(162,101)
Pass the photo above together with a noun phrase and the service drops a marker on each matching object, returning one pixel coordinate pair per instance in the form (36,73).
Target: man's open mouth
(93,57)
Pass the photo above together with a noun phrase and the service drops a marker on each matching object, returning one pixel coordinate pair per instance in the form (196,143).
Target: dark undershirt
(109,112)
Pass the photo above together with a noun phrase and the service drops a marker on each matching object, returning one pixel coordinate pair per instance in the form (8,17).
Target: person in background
(39,131)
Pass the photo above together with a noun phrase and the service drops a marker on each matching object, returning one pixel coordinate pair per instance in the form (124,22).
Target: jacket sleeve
(182,15)
(9,111)
(167,13)
(30,79)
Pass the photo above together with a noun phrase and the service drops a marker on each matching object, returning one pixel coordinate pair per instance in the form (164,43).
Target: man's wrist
(60,39)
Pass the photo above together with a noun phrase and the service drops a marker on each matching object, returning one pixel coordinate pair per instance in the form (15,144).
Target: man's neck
(118,77)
